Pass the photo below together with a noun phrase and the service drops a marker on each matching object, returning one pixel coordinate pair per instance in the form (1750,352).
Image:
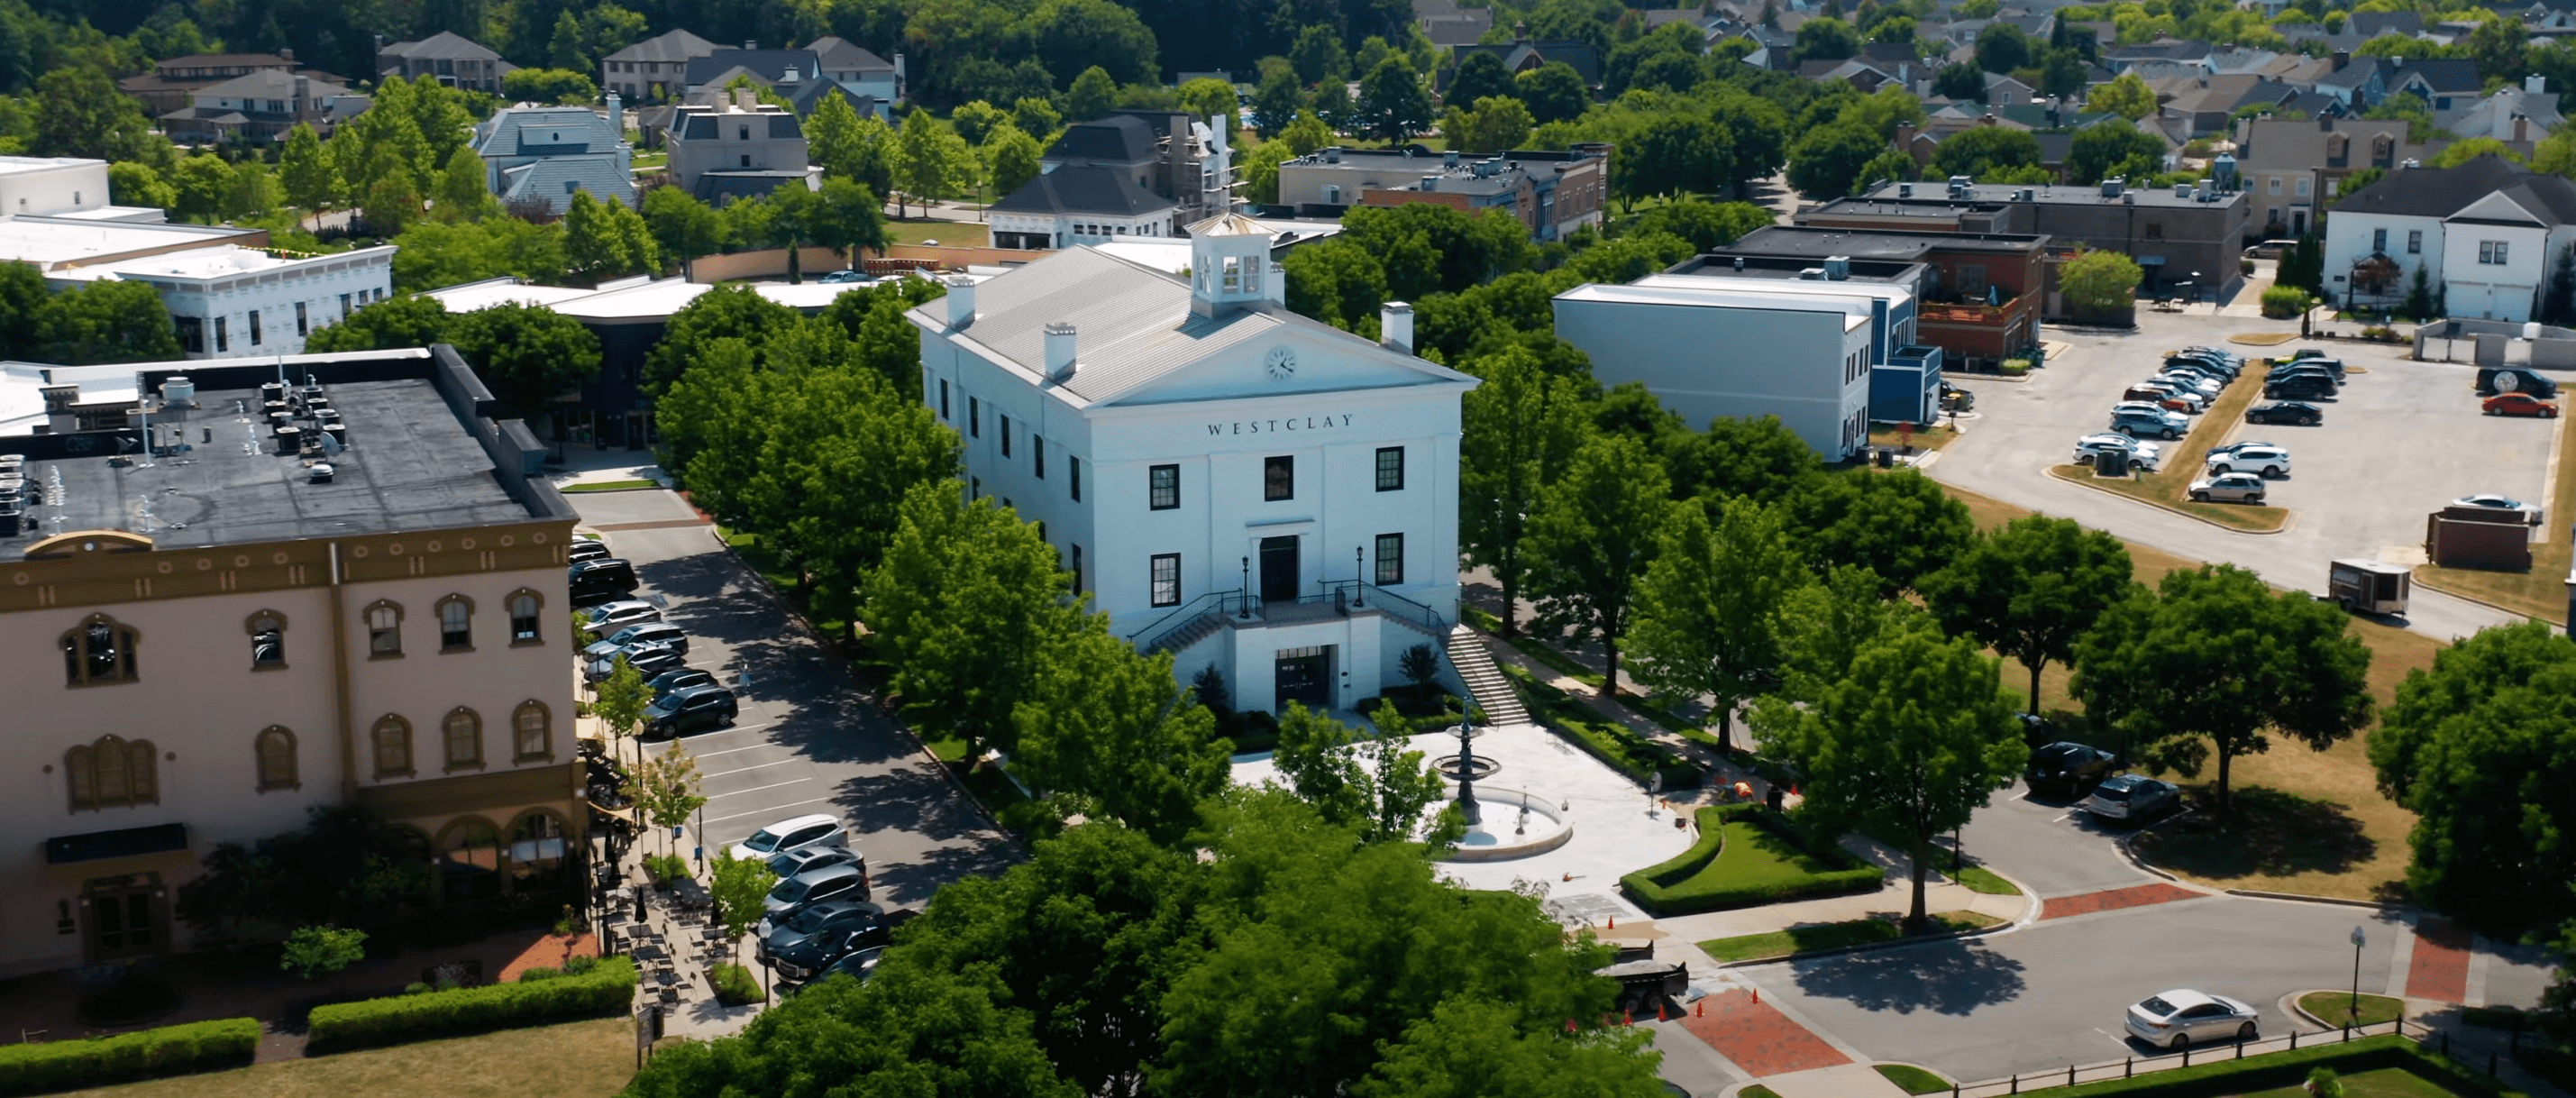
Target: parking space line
(730,750)
(754,766)
(727,731)
(760,811)
(758,788)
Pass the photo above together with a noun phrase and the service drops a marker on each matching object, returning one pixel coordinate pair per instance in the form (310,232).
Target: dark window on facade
(1073,473)
(1390,468)
(1167,579)
(974,418)
(255,332)
(943,398)
(2414,241)
(455,623)
(192,334)
(1077,571)
(1390,559)
(303,320)
(1164,482)
(2379,240)
(1278,478)
(267,640)
(523,617)
(1006,436)
(100,649)
(1037,452)
(2155,230)
(344,306)
(223,338)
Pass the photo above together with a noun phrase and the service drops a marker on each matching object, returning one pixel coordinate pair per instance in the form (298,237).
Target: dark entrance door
(1305,675)
(1279,568)
(124,917)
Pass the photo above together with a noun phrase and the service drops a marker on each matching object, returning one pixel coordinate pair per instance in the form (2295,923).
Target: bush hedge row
(1602,738)
(1661,889)
(2271,1071)
(169,1050)
(606,989)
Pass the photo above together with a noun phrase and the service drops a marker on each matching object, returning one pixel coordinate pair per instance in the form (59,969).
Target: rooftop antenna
(143,404)
(281,369)
(250,439)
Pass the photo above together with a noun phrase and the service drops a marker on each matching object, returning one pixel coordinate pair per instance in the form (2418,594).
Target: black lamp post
(1243,599)
(1359,577)
(1467,809)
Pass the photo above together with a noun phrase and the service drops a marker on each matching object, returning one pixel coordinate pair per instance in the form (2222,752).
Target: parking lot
(2398,442)
(806,739)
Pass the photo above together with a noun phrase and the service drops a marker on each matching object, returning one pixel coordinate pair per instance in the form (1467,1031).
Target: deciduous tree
(1899,525)
(1112,731)
(2029,589)
(1554,92)
(1374,784)
(668,789)
(1591,538)
(2128,96)
(528,355)
(1521,428)
(405,320)
(1093,95)
(107,321)
(1708,611)
(968,603)
(1392,101)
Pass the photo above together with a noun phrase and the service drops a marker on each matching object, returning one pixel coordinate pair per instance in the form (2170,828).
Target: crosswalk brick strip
(2113,900)
(2440,968)
(1757,1037)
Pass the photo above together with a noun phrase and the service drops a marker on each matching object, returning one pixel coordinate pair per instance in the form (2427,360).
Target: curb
(1837,951)
(2131,852)
(2296,898)
(2287,525)
(2420,582)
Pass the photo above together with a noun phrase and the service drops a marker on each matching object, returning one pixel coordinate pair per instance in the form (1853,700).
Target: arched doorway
(469,861)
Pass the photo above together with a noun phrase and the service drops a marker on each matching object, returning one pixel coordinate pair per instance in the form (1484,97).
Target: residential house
(1524,55)
(2121,59)
(2002,90)
(454,60)
(544,154)
(812,93)
(2520,116)
(2359,83)
(2293,168)
(1133,173)
(740,148)
(2445,83)
(2202,105)
(784,70)
(859,70)
(2485,234)
(261,107)
(654,69)
(174,81)
(1449,26)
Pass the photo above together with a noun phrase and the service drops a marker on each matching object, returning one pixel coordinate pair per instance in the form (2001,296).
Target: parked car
(2279,374)
(2270,462)
(857,964)
(813,886)
(683,711)
(2232,487)
(2232,447)
(2144,454)
(2502,379)
(2141,421)
(2332,366)
(2529,511)
(2161,396)
(788,863)
(680,678)
(2221,367)
(2195,381)
(821,925)
(2518,404)
(649,660)
(1956,400)
(793,834)
(2130,798)
(608,617)
(598,581)
(640,633)
(2300,387)
(2220,354)
(2175,1019)
(583,549)
(2286,411)
(2068,768)
(843,276)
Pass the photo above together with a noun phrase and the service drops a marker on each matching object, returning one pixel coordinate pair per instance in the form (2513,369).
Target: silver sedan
(2175,1019)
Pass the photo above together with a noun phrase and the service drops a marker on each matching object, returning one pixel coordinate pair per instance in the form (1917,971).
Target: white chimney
(961,300)
(616,116)
(1395,326)
(2535,84)
(1059,351)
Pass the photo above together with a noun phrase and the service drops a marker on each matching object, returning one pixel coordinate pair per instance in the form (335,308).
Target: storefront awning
(157,839)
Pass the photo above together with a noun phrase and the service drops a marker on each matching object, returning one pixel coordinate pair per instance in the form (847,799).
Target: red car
(2519,404)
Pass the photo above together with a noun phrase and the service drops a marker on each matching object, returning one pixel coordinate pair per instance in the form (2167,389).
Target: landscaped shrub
(2217,1078)
(665,868)
(1617,746)
(2284,302)
(1676,888)
(606,989)
(169,1050)
(735,985)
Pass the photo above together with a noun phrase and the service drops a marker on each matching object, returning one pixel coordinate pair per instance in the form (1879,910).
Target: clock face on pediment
(1280,363)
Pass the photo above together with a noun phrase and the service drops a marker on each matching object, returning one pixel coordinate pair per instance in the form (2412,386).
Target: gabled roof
(269,84)
(1083,189)
(2372,24)
(811,94)
(678,45)
(2444,75)
(766,65)
(444,44)
(1117,139)
(1135,327)
(554,180)
(545,131)
(1517,55)
(842,55)
(2447,192)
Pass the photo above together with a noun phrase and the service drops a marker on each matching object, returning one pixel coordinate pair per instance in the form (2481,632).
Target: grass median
(590,1059)
(2542,591)
(2335,1008)
(2183,459)
(1822,936)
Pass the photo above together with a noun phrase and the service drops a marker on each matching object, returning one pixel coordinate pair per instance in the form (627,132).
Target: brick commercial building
(1978,294)
(2186,239)
(1551,192)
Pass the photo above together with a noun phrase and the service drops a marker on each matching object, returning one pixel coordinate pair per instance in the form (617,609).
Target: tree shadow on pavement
(1951,977)
(2274,834)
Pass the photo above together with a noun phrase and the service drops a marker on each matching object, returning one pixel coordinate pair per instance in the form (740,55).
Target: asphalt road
(2048,846)
(2399,442)
(807,740)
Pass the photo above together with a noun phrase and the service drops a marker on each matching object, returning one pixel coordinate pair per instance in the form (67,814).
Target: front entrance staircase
(1485,683)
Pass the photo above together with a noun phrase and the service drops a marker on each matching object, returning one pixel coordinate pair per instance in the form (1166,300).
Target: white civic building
(1241,486)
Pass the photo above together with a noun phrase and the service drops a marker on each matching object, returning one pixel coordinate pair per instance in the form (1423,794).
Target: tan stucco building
(362,602)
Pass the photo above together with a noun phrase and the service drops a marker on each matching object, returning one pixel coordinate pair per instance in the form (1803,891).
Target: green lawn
(2383,1083)
(1819,936)
(2334,1008)
(610,486)
(1980,879)
(573,1060)
(1754,855)
(1913,1080)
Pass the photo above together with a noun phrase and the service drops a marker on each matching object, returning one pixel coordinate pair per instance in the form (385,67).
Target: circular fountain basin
(1507,834)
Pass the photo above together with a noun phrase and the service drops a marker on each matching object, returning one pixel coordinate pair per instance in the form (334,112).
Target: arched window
(276,753)
(98,650)
(393,747)
(537,853)
(526,609)
(267,631)
(532,727)
(112,772)
(469,861)
(455,624)
(464,735)
(384,630)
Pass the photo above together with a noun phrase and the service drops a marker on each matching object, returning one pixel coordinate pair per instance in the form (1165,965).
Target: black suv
(2300,387)
(2287,411)
(603,580)
(2067,769)
(688,709)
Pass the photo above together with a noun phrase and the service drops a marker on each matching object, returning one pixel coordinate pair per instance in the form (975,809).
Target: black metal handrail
(1345,596)
(1363,594)
(1189,612)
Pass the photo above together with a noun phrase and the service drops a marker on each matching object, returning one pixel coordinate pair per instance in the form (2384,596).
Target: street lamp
(2353,1013)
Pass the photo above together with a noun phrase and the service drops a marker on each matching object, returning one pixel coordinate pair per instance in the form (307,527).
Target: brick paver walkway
(2113,900)
(549,952)
(2440,969)
(1758,1038)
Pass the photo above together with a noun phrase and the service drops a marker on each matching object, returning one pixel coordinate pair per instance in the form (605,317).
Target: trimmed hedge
(2220,1078)
(169,1050)
(1603,738)
(606,989)
(1661,891)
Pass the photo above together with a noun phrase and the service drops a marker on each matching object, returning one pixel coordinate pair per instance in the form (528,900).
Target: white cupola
(1230,265)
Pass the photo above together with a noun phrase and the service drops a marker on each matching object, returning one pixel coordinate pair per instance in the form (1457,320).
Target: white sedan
(2530,511)
(2175,1019)
(2145,454)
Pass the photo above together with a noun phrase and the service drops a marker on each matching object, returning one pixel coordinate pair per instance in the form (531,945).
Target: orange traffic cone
(1614,922)
(1659,1011)
(1757,995)
(1627,1017)
(1699,1009)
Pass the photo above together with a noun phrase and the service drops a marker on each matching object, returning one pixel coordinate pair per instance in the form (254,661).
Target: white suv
(791,835)
(2145,454)
(2272,462)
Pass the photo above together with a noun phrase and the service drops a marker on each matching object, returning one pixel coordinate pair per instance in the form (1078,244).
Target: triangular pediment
(2497,207)
(1259,357)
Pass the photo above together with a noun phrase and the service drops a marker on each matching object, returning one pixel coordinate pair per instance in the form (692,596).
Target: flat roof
(12,165)
(1883,244)
(1996,194)
(470,296)
(1769,267)
(630,299)
(1749,283)
(50,242)
(1693,292)
(412,461)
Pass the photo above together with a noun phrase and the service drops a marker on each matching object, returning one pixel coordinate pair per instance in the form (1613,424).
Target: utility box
(2368,586)
(2111,463)
(2454,542)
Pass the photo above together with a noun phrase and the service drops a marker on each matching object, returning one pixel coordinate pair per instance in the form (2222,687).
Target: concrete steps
(1485,683)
